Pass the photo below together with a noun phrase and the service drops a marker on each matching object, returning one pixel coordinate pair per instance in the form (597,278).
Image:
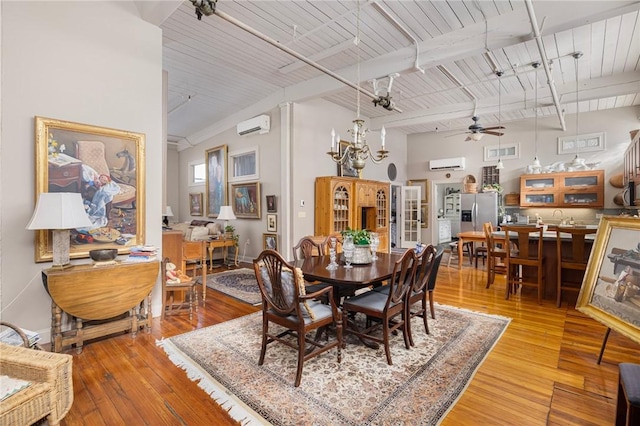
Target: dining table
(474,237)
(358,276)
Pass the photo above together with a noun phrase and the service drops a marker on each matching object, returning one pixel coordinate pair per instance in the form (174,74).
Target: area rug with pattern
(420,387)
(238,283)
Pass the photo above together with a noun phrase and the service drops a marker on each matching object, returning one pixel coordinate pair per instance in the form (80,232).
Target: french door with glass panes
(410,216)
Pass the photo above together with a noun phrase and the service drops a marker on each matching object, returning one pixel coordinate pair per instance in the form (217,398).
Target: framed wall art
(106,166)
(610,291)
(195,204)
(216,162)
(586,143)
(272,223)
(245,200)
(270,241)
(424,211)
(271,204)
(347,168)
(424,188)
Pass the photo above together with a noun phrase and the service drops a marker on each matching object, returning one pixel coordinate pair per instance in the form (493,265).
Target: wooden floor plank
(542,371)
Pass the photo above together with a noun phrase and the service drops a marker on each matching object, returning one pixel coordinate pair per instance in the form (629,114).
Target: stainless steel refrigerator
(476,209)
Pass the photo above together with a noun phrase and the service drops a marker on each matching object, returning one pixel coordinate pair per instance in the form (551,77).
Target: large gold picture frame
(216,163)
(75,157)
(610,292)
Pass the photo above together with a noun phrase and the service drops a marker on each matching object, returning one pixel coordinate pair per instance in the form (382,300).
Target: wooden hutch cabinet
(565,189)
(345,202)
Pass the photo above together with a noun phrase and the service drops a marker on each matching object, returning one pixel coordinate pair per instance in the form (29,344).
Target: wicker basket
(470,188)
(512,199)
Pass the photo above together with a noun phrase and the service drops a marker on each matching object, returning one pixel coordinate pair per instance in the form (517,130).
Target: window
(586,143)
(244,165)
(197,173)
(505,151)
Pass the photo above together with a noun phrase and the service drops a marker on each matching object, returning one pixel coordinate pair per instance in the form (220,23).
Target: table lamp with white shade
(60,212)
(226,214)
(167,214)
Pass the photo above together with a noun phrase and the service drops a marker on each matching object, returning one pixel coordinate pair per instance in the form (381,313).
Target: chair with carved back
(420,290)
(431,284)
(172,282)
(573,257)
(307,247)
(194,263)
(380,307)
(527,259)
(285,303)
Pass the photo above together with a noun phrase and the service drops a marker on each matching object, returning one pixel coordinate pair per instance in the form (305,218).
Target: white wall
(96,63)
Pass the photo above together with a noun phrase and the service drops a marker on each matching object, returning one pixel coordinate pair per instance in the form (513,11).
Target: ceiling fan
(476,131)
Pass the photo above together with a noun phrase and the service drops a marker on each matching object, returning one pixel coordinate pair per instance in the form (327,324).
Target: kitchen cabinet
(565,189)
(345,202)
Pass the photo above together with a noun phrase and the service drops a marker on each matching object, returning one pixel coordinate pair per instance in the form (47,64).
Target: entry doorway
(440,188)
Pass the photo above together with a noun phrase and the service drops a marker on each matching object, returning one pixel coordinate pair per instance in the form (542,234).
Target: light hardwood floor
(542,371)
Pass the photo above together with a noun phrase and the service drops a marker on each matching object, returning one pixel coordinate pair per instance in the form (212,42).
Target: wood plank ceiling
(446,53)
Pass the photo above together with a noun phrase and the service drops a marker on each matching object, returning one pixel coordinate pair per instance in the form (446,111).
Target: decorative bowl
(103,255)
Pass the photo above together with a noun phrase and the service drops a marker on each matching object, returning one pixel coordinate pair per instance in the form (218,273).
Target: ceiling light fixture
(500,164)
(357,152)
(535,166)
(577,161)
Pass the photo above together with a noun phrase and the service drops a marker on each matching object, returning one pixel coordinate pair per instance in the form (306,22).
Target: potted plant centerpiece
(361,241)
(229,232)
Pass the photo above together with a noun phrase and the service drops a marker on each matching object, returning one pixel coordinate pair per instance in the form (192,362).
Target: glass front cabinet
(567,189)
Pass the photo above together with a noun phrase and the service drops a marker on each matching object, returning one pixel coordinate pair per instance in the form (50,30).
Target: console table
(223,243)
(101,299)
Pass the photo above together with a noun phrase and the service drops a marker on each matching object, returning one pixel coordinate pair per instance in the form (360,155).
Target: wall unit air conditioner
(261,123)
(447,164)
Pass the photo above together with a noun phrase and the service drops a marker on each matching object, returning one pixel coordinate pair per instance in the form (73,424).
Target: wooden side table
(223,243)
(101,299)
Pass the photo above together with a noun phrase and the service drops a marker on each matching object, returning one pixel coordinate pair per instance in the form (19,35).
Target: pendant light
(500,164)
(535,166)
(577,161)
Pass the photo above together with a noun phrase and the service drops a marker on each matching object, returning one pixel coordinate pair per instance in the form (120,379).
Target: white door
(410,216)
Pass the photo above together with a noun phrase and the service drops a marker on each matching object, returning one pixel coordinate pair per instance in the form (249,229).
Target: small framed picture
(195,204)
(272,223)
(270,241)
(271,204)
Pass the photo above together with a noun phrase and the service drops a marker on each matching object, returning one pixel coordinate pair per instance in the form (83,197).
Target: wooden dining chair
(381,308)
(431,284)
(308,247)
(286,303)
(572,256)
(496,256)
(527,259)
(172,305)
(194,263)
(419,291)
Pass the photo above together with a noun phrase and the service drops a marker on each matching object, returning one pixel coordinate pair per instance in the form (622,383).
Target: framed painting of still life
(106,166)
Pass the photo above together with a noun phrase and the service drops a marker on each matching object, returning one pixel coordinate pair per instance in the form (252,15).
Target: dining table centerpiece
(362,245)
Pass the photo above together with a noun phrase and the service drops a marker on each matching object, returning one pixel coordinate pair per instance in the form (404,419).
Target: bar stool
(527,257)
(576,260)
(628,407)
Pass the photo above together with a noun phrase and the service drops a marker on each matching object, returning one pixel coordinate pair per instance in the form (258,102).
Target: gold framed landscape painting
(106,166)
(610,292)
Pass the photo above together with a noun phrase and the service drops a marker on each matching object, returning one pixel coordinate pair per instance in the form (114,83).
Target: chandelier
(356,153)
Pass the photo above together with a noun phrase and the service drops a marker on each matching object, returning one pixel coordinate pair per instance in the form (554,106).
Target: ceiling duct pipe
(545,62)
(295,54)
